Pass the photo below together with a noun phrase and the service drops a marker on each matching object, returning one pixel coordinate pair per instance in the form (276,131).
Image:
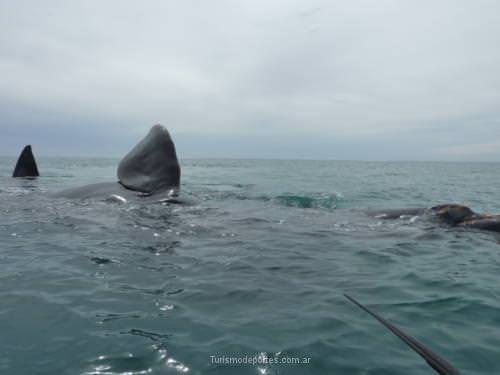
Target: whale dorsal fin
(152,165)
(440,365)
(26,164)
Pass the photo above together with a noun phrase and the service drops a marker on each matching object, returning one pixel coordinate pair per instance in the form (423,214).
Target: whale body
(451,214)
(150,169)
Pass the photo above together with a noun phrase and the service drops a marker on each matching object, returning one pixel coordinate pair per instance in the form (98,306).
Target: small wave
(322,200)
(306,200)
(156,360)
(100,260)
(108,317)
(21,190)
(326,200)
(148,334)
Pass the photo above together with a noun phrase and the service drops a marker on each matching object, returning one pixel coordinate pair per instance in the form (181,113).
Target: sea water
(250,279)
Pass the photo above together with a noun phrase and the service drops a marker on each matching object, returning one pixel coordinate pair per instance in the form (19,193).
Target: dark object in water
(463,216)
(451,214)
(150,169)
(440,365)
(26,164)
(152,164)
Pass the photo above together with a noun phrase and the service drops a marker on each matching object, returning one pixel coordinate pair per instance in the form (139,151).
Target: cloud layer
(309,79)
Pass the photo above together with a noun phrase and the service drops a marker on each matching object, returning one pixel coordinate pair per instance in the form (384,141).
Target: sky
(309,79)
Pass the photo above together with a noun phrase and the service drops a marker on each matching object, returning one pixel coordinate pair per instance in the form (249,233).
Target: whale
(453,214)
(26,164)
(150,170)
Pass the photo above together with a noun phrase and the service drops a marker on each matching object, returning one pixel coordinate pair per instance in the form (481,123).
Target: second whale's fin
(440,365)
(26,164)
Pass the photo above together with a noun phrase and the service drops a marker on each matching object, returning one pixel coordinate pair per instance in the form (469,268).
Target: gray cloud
(356,80)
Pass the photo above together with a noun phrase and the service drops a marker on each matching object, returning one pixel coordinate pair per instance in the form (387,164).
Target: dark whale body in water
(150,169)
(452,214)
(26,164)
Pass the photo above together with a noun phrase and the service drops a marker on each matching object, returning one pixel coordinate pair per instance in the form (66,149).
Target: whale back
(152,165)
(453,213)
(26,164)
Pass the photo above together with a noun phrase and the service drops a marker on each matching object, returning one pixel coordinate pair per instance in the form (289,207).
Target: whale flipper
(440,365)
(26,164)
(152,164)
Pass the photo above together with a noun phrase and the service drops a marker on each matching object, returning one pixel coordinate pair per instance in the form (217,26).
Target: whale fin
(440,365)
(152,164)
(26,164)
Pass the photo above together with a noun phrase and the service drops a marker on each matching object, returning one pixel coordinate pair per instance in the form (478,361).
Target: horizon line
(82,156)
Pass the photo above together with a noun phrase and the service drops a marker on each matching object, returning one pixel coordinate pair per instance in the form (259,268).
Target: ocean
(250,279)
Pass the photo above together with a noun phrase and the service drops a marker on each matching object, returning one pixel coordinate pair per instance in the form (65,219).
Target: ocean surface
(256,269)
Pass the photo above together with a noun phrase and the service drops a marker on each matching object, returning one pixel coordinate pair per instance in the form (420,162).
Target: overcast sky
(352,79)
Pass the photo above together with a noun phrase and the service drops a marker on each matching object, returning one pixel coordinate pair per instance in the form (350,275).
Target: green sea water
(255,269)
